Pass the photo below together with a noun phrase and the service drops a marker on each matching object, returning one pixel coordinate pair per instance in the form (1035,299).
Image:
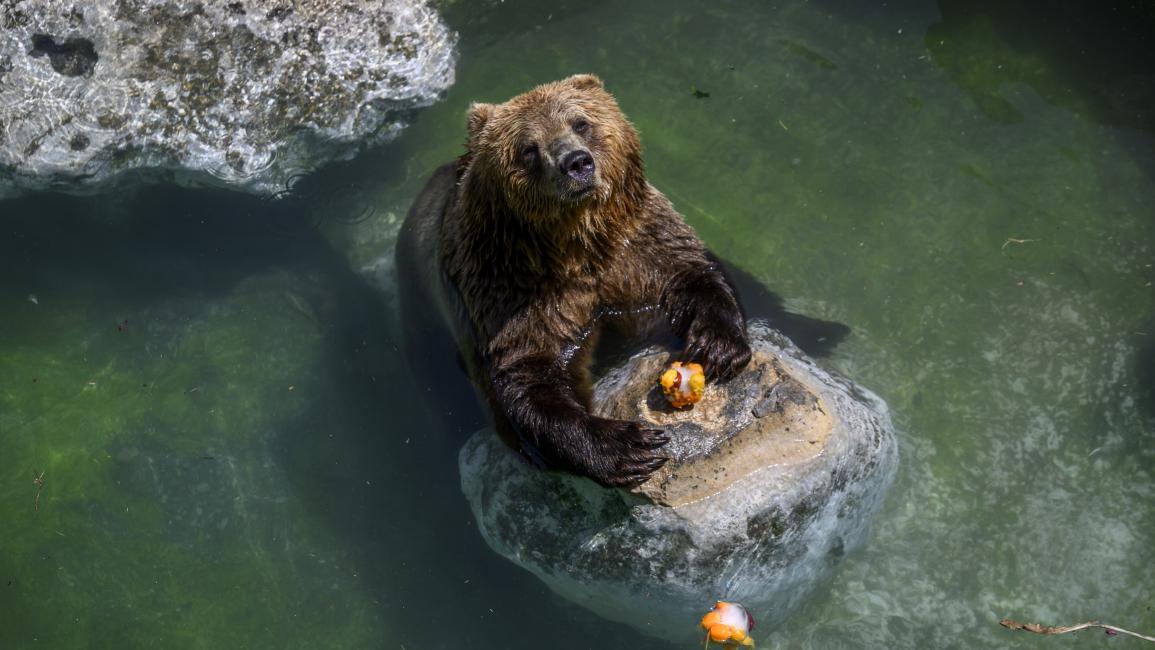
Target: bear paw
(724,351)
(623,454)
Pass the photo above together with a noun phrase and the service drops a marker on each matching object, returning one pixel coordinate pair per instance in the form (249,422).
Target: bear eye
(581,127)
(529,153)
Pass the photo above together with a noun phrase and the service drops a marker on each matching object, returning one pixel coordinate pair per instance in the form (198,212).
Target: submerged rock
(242,93)
(773,476)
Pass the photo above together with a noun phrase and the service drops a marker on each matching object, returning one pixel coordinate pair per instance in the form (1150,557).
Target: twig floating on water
(1012,240)
(1063,629)
(38,481)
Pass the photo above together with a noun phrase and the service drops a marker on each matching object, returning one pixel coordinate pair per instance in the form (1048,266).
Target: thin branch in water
(1063,629)
(38,481)
(1015,240)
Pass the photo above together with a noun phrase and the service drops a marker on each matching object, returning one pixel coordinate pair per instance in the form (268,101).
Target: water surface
(233,456)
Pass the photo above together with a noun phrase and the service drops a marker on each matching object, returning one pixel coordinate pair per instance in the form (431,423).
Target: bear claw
(722,357)
(625,452)
(635,474)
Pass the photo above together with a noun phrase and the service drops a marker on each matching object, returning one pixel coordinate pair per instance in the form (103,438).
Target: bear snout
(578,165)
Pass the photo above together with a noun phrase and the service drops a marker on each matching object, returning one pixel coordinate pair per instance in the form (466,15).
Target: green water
(233,457)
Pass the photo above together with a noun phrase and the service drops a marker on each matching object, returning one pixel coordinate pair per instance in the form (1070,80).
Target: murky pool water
(231,454)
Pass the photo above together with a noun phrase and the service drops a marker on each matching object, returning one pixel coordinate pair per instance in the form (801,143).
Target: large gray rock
(243,93)
(773,476)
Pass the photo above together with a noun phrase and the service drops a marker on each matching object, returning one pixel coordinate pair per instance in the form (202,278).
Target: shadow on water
(1098,56)
(814,336)
(1090,57)
(1093,58)
(182,241)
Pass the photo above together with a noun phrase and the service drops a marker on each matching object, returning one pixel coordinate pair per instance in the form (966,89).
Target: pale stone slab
(238,93)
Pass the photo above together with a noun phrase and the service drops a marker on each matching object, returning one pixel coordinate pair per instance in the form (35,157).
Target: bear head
(559,149)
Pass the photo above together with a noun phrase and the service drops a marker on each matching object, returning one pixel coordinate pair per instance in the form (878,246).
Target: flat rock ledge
(773,477)
(244,94)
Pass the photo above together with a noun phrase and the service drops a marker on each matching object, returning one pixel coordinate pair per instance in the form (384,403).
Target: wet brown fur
(529,268)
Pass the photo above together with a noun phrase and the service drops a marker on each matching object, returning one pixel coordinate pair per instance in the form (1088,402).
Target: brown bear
(545,225)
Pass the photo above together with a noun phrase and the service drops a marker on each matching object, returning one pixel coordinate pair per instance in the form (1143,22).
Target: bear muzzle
(577,173)
(578,165)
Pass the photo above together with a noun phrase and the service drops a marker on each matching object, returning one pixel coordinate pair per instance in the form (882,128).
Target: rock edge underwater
(772,478)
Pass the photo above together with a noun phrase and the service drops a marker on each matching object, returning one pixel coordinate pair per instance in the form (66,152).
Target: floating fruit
(728,624)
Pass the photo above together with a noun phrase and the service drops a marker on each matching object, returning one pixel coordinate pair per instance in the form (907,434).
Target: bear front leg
(555,429)
(704,312)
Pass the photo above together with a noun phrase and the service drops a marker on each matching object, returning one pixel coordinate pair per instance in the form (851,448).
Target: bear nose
(578,165)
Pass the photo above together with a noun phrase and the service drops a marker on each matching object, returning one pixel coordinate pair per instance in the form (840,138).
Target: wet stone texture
(773,476)
(243,93)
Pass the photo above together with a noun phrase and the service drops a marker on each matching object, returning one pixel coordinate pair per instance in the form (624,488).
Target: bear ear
(585,82)
(479,114)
